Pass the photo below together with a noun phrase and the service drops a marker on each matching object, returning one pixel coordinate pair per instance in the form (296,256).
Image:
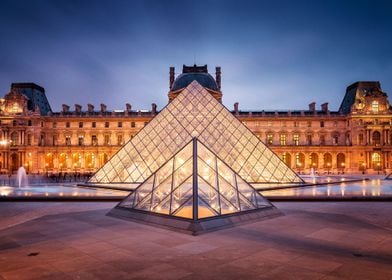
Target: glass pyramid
(195,113)
(195,184)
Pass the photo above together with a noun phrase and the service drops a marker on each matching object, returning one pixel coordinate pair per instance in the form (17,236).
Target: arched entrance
(376,161)
(314,160)
(286,157)
(299,161)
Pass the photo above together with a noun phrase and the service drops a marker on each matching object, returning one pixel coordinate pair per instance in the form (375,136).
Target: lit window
(269,139)
(296,139)
(375,106)
(282,139)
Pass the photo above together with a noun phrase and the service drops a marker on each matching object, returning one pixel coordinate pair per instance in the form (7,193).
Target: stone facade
(357,138)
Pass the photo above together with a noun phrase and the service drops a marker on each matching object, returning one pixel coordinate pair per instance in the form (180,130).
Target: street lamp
(328,167)
(378,168)
(363,167)
(343,165)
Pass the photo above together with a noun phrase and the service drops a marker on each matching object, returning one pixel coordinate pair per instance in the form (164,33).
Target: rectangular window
(80,124)
(119,124)
(30,123)
(309,124)
(80,140)
(360,139)
(93,124)
(296,124)
(54,140)
(282,139)
(106,124)
(145,123)
(54,125)
(94,140)
(322,140)
(68,140)
(119,140)
(29,139)
(309,139)
(67,124)
(107,140)
(321,123)
(296,139)
(133,124)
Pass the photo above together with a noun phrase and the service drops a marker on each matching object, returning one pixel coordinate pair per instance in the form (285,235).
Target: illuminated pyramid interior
(195,188)
(194,113)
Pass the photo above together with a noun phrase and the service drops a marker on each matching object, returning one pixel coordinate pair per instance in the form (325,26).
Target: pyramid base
(194,227)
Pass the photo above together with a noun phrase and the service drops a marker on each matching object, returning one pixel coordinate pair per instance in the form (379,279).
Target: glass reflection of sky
(369,188)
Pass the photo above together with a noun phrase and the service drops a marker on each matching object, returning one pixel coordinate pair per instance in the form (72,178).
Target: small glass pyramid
(195,184)
(194,113)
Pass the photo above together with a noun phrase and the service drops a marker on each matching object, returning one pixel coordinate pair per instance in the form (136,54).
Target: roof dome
(204,79)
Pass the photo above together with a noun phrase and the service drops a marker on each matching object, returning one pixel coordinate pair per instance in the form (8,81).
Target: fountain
(313,175)
(21,177)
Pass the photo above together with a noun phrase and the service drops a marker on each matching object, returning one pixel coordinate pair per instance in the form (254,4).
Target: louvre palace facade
(357,138)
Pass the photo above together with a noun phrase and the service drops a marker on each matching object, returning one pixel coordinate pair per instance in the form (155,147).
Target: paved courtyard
(313,240)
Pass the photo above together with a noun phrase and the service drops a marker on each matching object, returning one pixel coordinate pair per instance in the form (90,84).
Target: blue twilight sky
(274,54)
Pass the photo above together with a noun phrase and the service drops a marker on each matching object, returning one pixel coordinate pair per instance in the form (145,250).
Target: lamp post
(328,167)
(363,166)
(378,168)
(299,167)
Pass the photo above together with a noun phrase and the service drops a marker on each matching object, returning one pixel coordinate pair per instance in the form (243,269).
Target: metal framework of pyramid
(195,192)
(194,113)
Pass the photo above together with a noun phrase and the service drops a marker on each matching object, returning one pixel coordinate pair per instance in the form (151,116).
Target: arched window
(76,160)
(375,106)
(14,139)
(376,138)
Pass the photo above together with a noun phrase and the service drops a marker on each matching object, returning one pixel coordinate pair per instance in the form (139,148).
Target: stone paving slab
(324,240)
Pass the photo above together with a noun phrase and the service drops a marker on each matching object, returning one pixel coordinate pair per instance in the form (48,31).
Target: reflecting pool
(366,188)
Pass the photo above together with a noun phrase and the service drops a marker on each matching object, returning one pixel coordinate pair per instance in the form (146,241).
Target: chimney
(128,107)
(65,108)
(153,108)
(324,107)
(78,108)
(103,108)
(312,107)
(236,108)
(90,108)
(218,76)
(171,80)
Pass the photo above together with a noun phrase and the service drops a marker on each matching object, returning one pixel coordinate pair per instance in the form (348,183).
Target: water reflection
(370,188)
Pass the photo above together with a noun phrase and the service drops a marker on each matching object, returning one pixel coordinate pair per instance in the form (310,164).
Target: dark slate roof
(204,79)
(36,96)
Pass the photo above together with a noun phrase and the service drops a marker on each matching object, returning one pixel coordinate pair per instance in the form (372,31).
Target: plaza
(312,240)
